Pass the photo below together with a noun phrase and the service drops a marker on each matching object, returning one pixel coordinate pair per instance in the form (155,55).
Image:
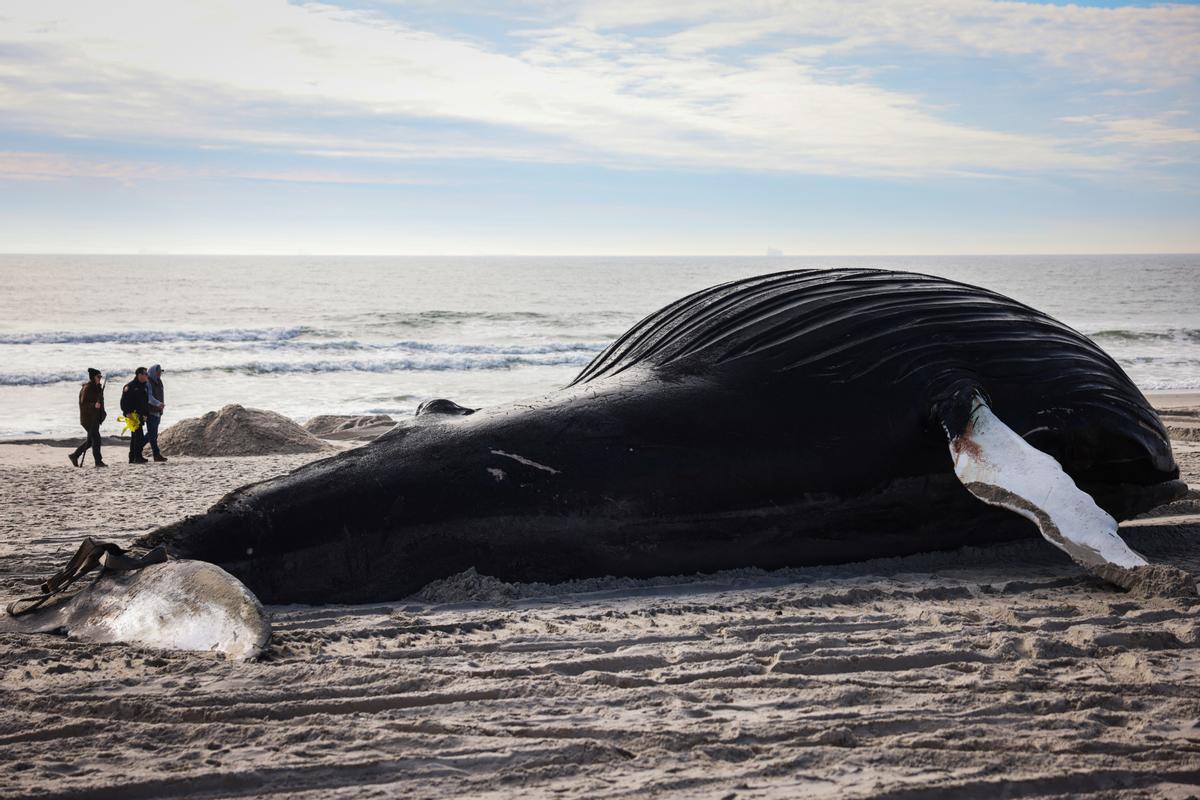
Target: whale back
(842,324)
(903,336)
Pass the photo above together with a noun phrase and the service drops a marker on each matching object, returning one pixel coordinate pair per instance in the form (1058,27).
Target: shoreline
(1164,401)
(1173,398)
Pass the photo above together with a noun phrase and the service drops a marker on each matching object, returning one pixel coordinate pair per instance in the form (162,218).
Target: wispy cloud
(16,165)
(35,166)
(1143,132)
(620,84)
(1142,45)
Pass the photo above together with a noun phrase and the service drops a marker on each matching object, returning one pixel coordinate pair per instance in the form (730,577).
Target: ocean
(308,335)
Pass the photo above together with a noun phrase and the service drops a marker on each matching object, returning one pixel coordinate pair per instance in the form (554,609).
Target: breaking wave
(436,362)
(350,345)
(1126,335)
(160,337)
(440,318)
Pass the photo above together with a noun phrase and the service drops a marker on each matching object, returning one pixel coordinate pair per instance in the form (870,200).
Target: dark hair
(93,372)
(138,371)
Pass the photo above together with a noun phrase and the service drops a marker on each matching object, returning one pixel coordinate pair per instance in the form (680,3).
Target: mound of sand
(238,431)
(468,587)
(1183,426)
(1181,415)
(344,426)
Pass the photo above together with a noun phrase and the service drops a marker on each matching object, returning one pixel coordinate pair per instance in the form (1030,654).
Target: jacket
(134,398)
(155,392)
(89,395)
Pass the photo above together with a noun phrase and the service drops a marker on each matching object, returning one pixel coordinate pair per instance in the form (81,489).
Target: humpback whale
(796,418)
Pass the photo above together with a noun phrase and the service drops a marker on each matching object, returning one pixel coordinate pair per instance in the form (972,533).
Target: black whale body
(785,419)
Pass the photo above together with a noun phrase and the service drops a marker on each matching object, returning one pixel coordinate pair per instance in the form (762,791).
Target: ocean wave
(158,337)
(289,339)
(41,378)
(1178,360)
(1165,335)
(1152,385)
(427,318)
(439,362)
(411,346)
(500,349)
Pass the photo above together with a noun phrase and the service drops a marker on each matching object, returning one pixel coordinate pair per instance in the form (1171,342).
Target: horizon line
(593,255)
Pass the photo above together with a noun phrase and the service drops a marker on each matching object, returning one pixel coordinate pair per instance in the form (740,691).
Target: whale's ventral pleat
(842,323)
(796,330)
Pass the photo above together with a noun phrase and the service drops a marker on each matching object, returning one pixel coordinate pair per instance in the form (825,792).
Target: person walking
(134,399)
(91,414)
(155,396)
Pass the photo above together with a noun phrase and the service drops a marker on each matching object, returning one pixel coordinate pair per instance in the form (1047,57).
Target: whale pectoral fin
(1000,468)
(173,605)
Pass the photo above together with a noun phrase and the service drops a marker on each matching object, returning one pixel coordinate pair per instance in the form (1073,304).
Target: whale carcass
(796,418)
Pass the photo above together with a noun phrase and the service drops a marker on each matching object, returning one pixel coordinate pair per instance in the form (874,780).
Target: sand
(1000,671)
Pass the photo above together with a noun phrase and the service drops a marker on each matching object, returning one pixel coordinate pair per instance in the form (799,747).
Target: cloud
(596,87)
(16,165)
(1142,45)
(38,166)
(1144,132)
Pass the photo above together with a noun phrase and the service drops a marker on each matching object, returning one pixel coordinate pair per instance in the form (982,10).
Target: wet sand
(1000,671)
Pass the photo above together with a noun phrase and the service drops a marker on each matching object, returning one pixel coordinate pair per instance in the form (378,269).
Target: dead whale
(796,418)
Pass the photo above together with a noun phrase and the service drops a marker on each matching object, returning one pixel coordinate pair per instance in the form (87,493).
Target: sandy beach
(630,288)
(728,284)
(1001,671)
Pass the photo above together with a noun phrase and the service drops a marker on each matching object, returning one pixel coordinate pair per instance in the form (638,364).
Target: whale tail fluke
(1000,468)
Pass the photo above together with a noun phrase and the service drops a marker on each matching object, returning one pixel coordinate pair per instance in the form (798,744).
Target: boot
(74,459)
(159,457)
(101,464)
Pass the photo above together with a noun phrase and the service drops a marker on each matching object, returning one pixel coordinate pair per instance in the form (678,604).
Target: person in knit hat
(156,394)
(91,414)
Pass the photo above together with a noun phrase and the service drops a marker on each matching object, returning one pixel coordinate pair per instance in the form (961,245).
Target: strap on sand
(91,554)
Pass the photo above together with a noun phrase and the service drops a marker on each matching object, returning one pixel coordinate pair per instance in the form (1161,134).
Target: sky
(690,127)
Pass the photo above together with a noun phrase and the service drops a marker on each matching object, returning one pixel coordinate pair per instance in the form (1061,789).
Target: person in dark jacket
(135,399)
(155,394)
(91,414)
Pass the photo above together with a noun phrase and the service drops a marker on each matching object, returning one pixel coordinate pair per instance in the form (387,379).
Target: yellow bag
(132,422)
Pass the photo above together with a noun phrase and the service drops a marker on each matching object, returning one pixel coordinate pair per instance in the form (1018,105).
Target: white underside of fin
(1002,469)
